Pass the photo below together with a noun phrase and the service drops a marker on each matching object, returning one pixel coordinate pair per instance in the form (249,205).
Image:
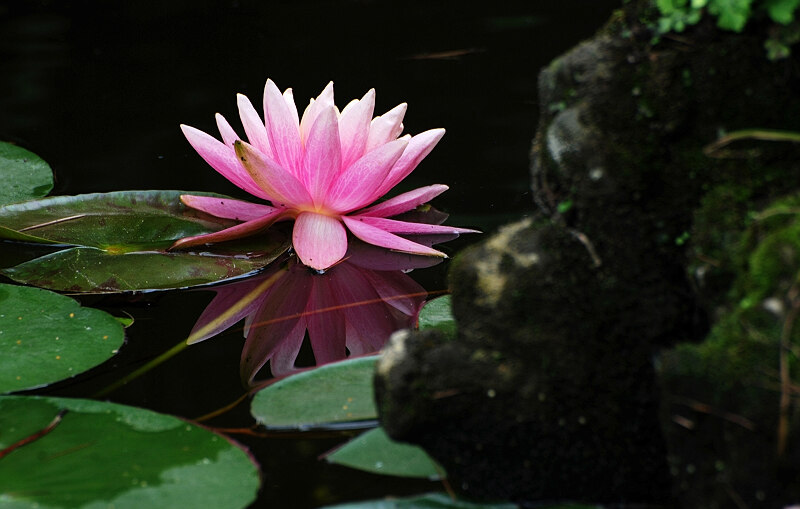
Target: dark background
(98,89)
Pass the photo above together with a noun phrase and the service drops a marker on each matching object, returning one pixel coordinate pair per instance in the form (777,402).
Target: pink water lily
(320,170)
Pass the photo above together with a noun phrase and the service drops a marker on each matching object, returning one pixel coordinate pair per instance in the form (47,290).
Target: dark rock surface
(639,243)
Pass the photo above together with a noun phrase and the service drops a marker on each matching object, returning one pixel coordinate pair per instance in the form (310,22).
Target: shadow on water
(98,90)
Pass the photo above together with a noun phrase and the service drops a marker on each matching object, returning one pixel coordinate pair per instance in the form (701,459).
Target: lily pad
(87,269)
(46,337)
(438,314)
(375,452)
(333,393)
(24,175)
(70,453)
(117,222)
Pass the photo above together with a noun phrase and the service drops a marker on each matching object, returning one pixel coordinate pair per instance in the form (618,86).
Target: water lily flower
(323,171)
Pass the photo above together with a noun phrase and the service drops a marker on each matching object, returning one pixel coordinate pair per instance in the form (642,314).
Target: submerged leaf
(338,392)
(98,454)
(375,452)
(86,269)
(46,337)
(443,501)
(24,175)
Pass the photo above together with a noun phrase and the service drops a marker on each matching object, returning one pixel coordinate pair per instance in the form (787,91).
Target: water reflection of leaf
(348,309)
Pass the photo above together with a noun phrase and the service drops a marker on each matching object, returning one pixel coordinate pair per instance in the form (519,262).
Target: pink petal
(394,226)
(405,202)
(372,257)
(225,129)
(234,232)
(227,208)
(286,190)
(319,240)
(253,126)
(379,237)
(325,319)
(284,135)
(387,127)
(323,155)
(223,159)
(288,98)
(419,147)
(354,127)
(314,109)
(356,185)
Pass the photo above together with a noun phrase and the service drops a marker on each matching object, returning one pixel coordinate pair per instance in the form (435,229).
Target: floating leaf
(87,269)
(443,501)
(119,221)
(375,452)
(100,454)
(337,392)
(24,175)
(46,337)
(438,314)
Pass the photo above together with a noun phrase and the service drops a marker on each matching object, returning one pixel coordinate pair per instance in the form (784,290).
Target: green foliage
(99,454)
(734,15)
(46,337)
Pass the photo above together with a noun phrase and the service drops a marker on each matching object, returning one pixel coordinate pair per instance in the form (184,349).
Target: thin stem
(712,149)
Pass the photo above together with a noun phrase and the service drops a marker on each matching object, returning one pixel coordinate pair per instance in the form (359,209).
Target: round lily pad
(70,453)
(46,337)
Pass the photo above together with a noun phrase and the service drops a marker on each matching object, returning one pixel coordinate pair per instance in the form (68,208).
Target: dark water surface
(98,89)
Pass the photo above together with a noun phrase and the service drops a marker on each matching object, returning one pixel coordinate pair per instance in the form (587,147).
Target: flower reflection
(352,308)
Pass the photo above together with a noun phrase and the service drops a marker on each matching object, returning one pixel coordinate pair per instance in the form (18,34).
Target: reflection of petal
(373,257)
(232,303)
(278,326)
(399,291)
(326,327)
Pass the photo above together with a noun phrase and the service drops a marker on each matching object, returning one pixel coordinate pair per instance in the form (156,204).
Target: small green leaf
(46,337)
(24,175)
(438,314)
(337,392)
(375,452)
(731,14)
(782,11)
(98,454)
(439,501)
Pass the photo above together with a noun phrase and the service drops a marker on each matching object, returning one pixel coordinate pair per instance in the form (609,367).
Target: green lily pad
(93,454)
(375,452)
(117,222)
(91,270)
(438,314)
(46,337)
(24,175)
(337,392)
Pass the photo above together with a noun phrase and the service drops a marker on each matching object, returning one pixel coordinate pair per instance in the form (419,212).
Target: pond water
(98,90)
